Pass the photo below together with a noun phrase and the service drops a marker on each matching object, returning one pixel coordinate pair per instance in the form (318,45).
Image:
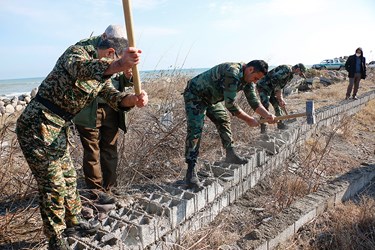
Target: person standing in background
(98,126)
(356,67)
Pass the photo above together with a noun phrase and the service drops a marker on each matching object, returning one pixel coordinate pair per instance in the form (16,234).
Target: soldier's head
(113,42)
(299,69)
(255,70)
(112,47)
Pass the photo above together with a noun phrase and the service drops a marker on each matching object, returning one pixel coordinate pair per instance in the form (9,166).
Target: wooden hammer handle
(130,34)
(284,117)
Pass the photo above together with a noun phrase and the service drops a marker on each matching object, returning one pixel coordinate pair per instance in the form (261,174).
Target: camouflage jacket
(77,79)
(87,116)
(94,41)
(221,83)
(276,79)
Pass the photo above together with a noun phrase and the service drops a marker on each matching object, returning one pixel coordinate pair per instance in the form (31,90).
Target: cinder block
(200,199)
(211,191)
(232,195)
(215,209)
(281,237)
(305,218)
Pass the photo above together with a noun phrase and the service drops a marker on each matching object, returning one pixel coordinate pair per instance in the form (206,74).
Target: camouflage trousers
(43,140)
(266,99)
(196,110)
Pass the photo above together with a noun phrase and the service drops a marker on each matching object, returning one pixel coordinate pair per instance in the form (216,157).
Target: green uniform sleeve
(231,83)
(249,90)
(85,68)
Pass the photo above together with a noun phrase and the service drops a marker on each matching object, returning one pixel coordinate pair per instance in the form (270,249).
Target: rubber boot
(281,125)
(263,128)
(191,179)
(232,157)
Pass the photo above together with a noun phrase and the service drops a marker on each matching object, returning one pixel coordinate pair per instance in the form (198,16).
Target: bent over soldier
(270,89)
(203,96)
(80,74)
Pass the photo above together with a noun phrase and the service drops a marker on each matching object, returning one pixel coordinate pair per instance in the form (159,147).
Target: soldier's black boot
(58,243)
(81,226)
(281,125)
(232,157)
(191,178)
(263,128)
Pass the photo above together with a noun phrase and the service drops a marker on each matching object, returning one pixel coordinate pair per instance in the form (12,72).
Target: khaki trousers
(100,156)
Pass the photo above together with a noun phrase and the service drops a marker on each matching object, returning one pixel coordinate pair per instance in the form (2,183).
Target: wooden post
(130,34)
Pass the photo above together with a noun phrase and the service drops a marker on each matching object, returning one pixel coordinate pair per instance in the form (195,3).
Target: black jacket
(350,66)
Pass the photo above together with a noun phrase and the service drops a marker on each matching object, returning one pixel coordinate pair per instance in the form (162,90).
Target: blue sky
(188,33)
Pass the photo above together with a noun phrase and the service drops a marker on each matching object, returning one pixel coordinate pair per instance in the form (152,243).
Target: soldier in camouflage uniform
(204,95)
(270,89)
(80,74)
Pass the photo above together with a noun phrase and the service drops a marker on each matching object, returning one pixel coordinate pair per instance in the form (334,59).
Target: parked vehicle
(371,64)
(336,63)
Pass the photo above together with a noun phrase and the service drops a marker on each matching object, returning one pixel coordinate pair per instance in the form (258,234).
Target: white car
(371,64)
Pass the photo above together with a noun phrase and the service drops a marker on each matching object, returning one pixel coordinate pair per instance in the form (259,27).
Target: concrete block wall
(158,219)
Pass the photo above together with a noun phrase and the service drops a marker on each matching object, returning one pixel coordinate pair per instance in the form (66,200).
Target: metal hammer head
(310,112)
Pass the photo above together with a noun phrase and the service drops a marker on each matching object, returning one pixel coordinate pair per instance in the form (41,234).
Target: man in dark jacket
(356,66)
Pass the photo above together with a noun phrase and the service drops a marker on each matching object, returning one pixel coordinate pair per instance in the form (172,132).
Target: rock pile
(9,106)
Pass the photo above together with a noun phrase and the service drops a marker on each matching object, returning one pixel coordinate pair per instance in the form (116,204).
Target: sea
(17,87)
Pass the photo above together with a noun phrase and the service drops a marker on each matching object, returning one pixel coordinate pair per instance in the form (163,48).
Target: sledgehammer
(310,114)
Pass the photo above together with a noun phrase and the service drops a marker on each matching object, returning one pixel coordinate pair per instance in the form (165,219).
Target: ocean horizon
(20,86)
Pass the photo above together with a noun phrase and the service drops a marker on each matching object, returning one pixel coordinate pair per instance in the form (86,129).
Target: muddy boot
(58,243)
(81,226)
(281,125)
(232,157)
(105,198)
(263,128)
(191,179)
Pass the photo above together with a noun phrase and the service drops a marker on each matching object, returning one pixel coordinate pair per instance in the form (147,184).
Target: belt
(52,107)
(102,105)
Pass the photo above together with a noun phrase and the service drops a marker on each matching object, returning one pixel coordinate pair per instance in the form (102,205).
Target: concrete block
(307,216)
(253,180)
(177,210)
(211,191)
(200,199)
(215,209)
(232,195)
(141,227)
(281,237)
(224,201)
(269,146)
